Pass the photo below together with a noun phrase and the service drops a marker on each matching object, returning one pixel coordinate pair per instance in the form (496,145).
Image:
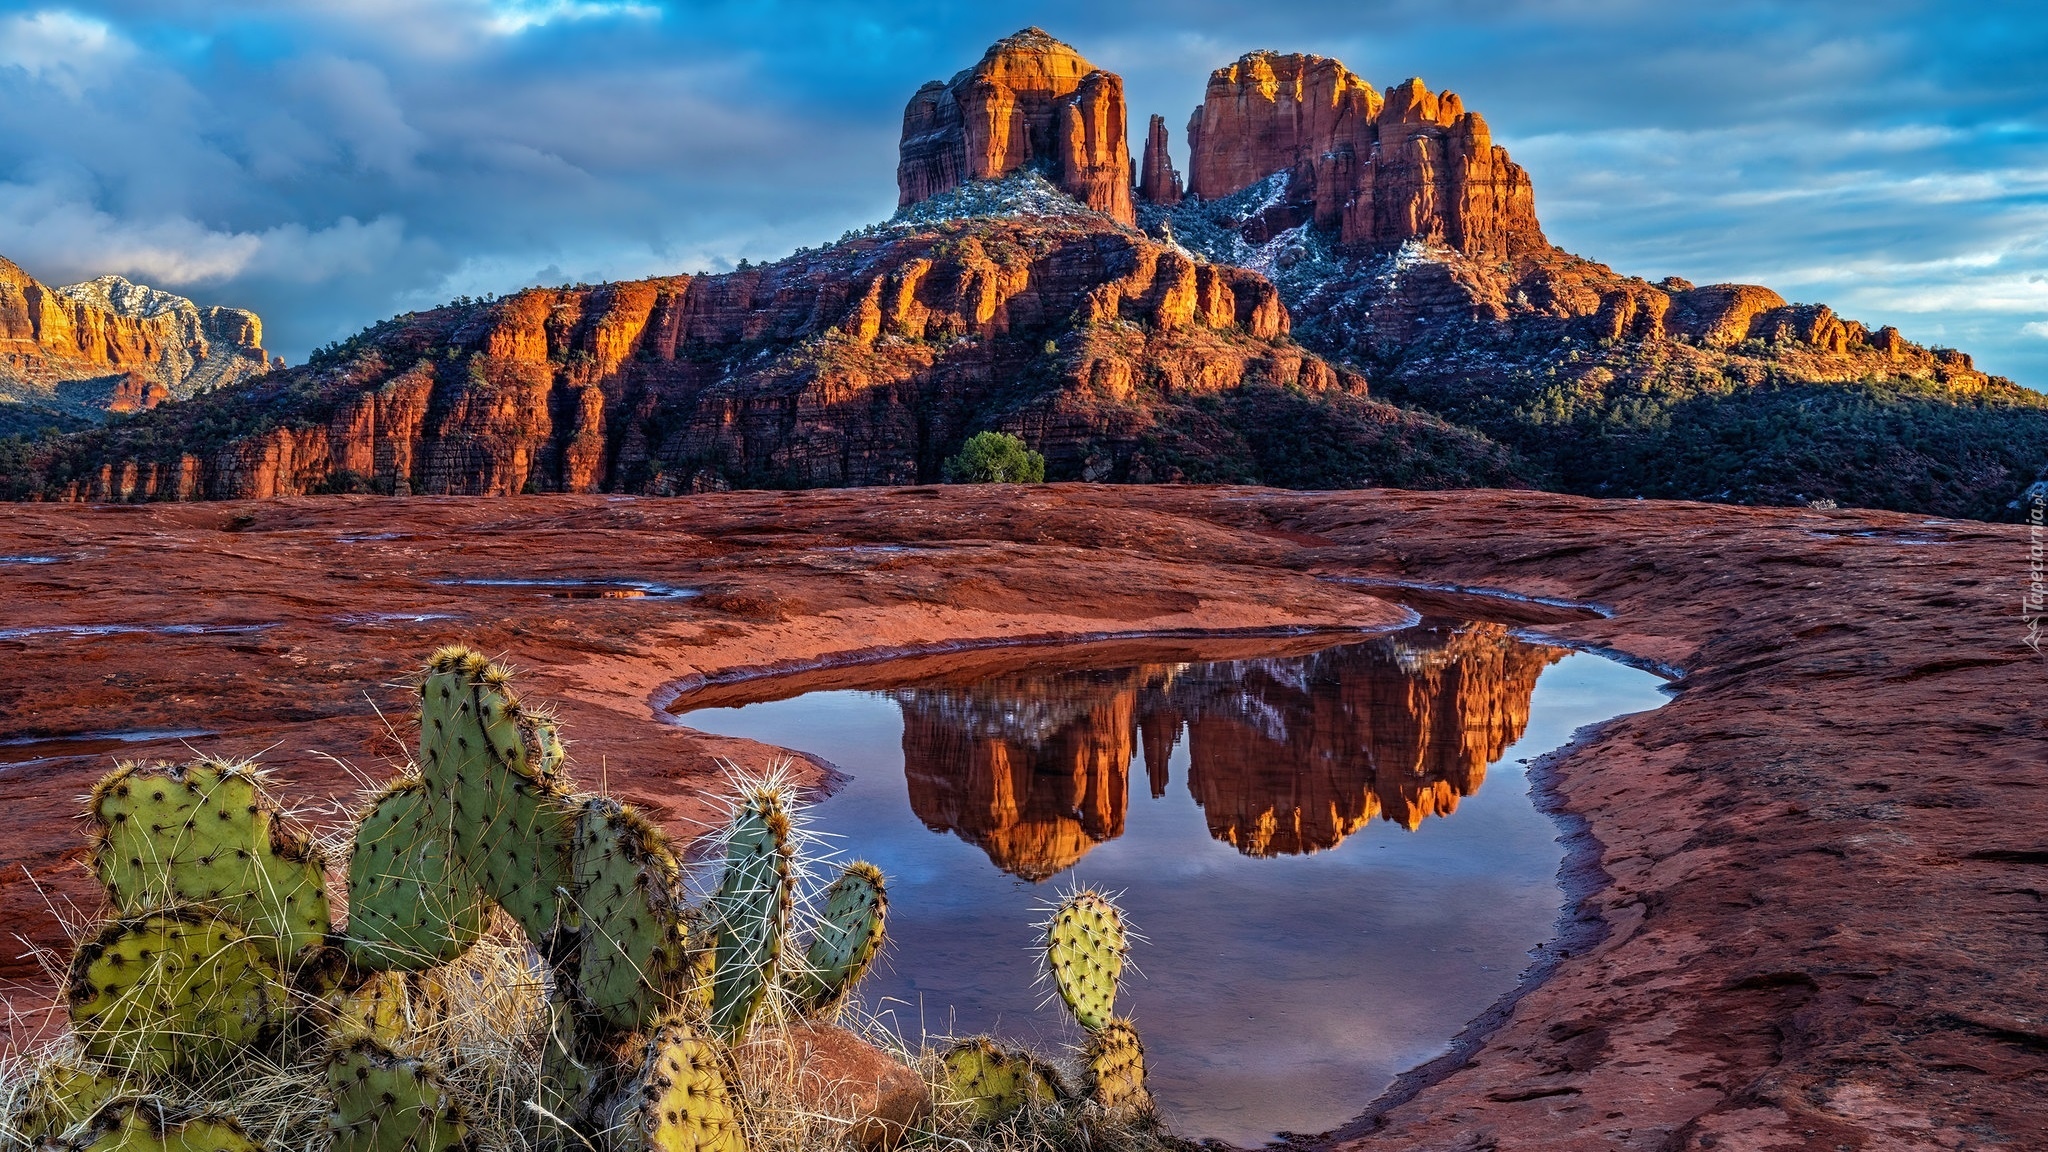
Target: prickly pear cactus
(569,1079)
(751,909)
(410,904)
(1085,944)
(512,825)
(384,1103)
(1115,1059)
(679,1101)
(993,1084)
(628,893)
(150,1126)
(172,990)
(206,833)
(62,1098)
(849,936)
(375,1008)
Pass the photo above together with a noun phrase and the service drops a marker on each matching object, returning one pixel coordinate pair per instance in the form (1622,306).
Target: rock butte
(1805,892)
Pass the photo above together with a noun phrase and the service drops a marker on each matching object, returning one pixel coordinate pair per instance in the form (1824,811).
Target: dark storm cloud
(333,161)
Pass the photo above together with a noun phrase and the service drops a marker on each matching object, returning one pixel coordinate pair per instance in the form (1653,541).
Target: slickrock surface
(1812,890)
(111,346)
(1031,101)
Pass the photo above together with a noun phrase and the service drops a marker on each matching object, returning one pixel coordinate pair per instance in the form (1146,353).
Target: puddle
(372,619)
(570,588)
(31,559)
(83,630)
(29,751)
(370,536)
(1330,846)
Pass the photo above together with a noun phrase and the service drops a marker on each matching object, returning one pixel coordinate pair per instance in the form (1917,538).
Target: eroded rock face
(1382,170)
(1032,101)
(108,345)
(866,363)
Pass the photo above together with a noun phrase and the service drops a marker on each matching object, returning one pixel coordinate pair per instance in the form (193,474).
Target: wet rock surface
(1808,895)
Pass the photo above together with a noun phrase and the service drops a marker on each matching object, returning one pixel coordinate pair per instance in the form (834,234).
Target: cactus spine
(679,1102)
(144,1127)
(751,910)
(207,834)
(848,938)
(411,905)
(172,990)
(1085,945)
(993,1084)
(383,1103)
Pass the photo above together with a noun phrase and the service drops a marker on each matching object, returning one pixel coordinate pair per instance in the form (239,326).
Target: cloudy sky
(331,162)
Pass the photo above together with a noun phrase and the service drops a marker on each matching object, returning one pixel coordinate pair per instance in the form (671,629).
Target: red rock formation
(1158,183)
(1411,166)
(124,346)
(861,364)
(1031,102)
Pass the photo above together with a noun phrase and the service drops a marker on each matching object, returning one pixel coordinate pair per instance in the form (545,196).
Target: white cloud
(2037,328)
(63,49)
(57,234)
(511,17)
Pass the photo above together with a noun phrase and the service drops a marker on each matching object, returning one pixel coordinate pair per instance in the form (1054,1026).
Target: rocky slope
(867,362)
(70,355)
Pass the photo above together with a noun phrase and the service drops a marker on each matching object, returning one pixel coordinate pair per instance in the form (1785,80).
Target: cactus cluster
(222,945)
(1084,950)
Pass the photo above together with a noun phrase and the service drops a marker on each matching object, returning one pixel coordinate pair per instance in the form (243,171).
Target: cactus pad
(206,833)
(849,936)
(172,990)
(145,1126)
(1115,1058)
(1085,945)
(628,895)
(62,1098)
(375,1008)
(512,826)
(383,1103)
(679,1101)
(993,1084)
(410,905)
(751,909)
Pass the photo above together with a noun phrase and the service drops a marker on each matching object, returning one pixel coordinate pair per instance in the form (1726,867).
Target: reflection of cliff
(1287,755)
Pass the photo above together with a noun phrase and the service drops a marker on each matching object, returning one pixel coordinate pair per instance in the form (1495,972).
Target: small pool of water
(574,588)
(1330,847)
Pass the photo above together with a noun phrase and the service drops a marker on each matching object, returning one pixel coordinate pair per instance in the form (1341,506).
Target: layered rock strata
(108,345)
(1379,170)
(1032,102)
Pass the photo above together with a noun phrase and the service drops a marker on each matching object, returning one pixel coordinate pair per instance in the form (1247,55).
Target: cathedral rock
(1032,102)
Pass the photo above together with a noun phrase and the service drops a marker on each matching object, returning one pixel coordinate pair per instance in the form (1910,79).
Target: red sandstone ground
(1813,882)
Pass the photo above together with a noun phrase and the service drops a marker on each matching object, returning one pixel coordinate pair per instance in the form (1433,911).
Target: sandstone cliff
(864,363)
(1378,170)
(107,345)
(1032,103)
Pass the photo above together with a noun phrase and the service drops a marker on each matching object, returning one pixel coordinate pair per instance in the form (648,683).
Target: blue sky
(331,162)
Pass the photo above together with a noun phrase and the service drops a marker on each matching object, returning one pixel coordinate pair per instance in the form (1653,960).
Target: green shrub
(995,458)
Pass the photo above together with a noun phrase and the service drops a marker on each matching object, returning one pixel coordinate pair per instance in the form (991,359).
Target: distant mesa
(76,353)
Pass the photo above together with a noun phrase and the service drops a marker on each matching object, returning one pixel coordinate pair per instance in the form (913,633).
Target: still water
(1331,850)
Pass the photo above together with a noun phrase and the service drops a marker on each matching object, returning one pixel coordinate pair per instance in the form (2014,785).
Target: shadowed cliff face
(1287,755)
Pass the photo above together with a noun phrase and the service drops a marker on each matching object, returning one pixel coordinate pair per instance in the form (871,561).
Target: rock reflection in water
(1287,755)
